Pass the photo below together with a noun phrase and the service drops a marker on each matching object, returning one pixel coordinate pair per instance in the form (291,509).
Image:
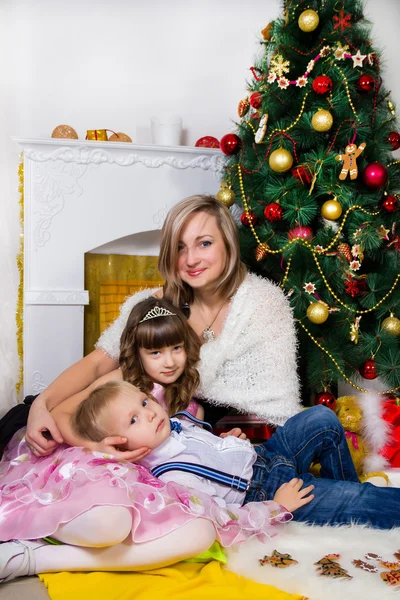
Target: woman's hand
(114,445)
(41,422)
(236,432)
(291,495)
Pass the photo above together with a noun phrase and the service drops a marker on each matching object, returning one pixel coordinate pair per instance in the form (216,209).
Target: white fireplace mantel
(79,196)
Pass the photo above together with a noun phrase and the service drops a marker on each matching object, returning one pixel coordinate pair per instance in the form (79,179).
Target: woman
(248,357)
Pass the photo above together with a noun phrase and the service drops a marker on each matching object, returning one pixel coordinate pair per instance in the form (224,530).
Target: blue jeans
(316,434)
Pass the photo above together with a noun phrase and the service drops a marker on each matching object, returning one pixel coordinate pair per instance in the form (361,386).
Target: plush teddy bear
(350,414)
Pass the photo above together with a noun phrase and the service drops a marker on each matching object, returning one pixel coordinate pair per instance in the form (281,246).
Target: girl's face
(142,421)
(201,252)
(164,365)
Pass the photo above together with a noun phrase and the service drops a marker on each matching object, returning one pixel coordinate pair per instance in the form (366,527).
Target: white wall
(115,63)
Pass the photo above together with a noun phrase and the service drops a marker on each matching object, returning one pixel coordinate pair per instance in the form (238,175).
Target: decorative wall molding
(57,297)
(87,152)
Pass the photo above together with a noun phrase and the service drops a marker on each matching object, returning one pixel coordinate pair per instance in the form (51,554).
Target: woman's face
(201,252)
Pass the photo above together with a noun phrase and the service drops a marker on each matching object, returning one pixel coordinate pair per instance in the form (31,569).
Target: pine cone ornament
(345,250)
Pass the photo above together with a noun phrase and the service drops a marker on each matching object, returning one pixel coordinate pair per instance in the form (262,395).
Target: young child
(233,472)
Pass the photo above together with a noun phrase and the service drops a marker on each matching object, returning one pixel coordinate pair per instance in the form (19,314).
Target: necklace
(208,334)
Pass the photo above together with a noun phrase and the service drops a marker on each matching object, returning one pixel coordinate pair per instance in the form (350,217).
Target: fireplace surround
(84,196)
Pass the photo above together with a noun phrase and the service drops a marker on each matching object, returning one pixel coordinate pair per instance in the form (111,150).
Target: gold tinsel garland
(314,253)
(19,315)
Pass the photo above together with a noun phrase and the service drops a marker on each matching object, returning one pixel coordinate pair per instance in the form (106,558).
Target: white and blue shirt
(196,445)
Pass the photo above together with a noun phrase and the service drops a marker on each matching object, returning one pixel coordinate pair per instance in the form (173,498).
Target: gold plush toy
(350,414)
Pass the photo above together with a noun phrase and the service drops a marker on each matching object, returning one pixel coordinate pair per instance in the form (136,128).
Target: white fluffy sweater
(251,365)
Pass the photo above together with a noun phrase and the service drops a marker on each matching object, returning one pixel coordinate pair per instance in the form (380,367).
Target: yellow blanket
(182,581)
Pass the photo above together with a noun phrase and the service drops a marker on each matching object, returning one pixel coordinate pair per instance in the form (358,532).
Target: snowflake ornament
(279,65)
(340,51)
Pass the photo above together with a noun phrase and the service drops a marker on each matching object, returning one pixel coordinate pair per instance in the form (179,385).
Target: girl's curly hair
(156,333)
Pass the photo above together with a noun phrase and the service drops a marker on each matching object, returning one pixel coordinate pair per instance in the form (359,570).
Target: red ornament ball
(230,143)
(273,212)
(208,141)
(390,204)
(322,85)
(368,370)
(394,139)
(375,176)
(255,100)
(301,231)
(326,399)
(366,83)
(248,218)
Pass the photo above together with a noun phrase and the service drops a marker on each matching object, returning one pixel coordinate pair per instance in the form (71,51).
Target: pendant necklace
(208,334)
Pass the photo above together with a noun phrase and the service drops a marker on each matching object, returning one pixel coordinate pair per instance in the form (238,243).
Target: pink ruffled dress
(38,494)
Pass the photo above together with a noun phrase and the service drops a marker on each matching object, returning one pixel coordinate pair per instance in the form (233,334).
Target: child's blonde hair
(87,421)
(156,333)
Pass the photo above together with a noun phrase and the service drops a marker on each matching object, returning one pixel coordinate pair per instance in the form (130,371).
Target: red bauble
(273,212)
(246,220)
(390,204)
(375,176)
(230,143)
(255,100)
(208,141)
(301,231)
(368,369)
(322,85)
(326,399)
(394,139)
(366,83)
(303,173)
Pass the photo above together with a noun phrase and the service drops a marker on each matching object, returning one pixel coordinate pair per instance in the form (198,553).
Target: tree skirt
(309,544)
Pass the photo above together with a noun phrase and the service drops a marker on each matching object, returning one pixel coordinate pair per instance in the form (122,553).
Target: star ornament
(309,288)
(283,83)
(358,59)
(383,232)
(301,81)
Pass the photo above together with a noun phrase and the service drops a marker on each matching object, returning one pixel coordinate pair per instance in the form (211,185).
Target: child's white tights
(186,541)
(98,527)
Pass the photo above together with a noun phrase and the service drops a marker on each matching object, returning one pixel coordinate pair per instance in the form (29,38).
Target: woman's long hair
(156,333)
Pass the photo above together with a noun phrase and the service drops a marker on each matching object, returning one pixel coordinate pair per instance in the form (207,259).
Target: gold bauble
(318,313)
(391,325)
(308,20)
(119,137)
(280,160)
(331,210)
(322,120)
(64,131)
(226,196)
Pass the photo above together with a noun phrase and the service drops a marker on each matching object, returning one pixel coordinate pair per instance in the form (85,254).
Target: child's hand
(236,431)
(291,496)
(114,445)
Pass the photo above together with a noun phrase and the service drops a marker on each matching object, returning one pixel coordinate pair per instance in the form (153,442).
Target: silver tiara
(157,311)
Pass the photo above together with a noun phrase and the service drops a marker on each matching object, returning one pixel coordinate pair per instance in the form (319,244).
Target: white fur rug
(307,545)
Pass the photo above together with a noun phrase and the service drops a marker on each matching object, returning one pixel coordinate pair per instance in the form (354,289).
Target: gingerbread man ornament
(350,160)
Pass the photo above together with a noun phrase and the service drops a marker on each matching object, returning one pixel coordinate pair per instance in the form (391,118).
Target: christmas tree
(311,167)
